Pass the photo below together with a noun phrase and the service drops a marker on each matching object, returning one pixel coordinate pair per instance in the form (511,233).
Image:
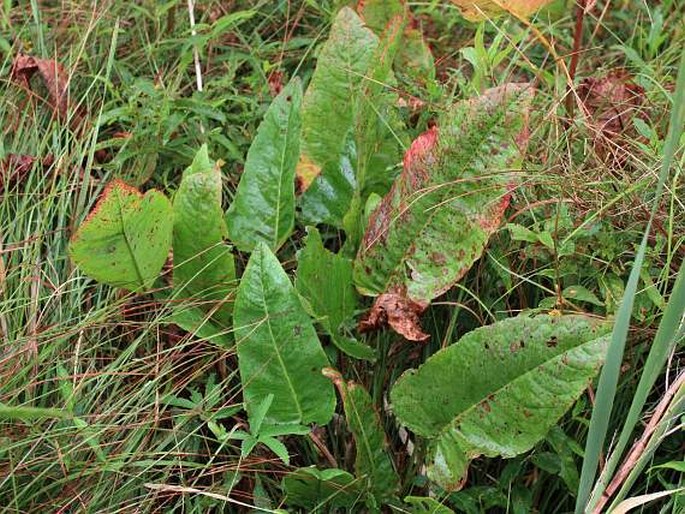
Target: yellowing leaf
(476,10)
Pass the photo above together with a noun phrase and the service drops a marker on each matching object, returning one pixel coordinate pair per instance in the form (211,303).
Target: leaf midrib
(278,354)
(136,207)
(461,415)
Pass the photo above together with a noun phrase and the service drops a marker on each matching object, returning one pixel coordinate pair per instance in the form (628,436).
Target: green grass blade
(31,413)
(665,425)
(665,340)
(608,380)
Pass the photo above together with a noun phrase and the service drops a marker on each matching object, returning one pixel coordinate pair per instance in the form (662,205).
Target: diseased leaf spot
(552,342)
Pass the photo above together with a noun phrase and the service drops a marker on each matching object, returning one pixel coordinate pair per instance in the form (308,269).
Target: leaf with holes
(324,279)
(372,463)
(263,209)
(204,269)
(499,389)
(311,488)
(477,10)
(125,240)
(278,350)
(451,196)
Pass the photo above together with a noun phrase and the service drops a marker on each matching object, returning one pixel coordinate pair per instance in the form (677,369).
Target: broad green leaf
(332,94)
(372,463)
(324,279)
(263,209)
(203,264)
(450,197)
(376,133)
(125,240)
(499,389)
(477,10)
(278,350)
(325,489)
(348,86)
(424,505)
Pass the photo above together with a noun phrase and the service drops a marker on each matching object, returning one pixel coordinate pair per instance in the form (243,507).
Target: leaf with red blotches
(56,81)
(449,199)
(612,101)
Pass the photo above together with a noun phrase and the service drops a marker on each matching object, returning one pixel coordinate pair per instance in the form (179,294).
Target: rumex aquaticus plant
(326,159)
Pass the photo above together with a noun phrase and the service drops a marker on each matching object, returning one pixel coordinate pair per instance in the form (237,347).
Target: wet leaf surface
(279,352)
(204,269)
(263,209)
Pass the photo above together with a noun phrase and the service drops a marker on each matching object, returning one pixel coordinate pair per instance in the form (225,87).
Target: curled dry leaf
(56,81)
(477,10)
(612,101)
(399,312)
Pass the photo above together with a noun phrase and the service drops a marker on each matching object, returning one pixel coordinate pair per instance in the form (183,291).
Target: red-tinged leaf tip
(420,154)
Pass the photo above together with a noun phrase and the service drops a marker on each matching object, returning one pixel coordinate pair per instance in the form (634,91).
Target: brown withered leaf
(14,167)
(611,101)
(398,311)
(56,81)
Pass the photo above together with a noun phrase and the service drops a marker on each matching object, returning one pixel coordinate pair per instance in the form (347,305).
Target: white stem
(196,54)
